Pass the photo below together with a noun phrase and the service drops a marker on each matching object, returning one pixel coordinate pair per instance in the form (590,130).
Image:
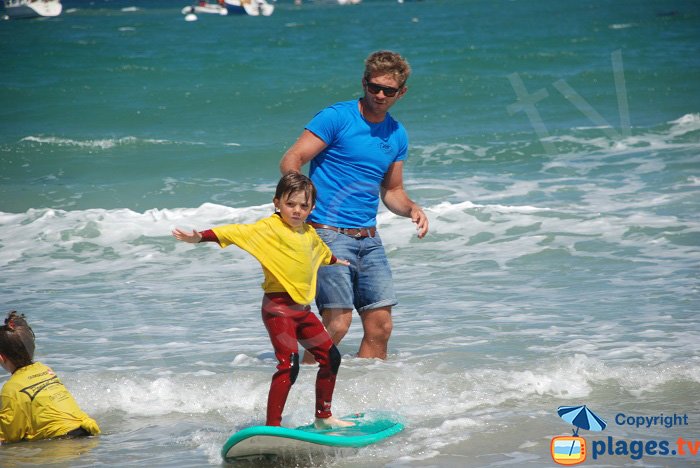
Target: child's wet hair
(296,182)
(17,340)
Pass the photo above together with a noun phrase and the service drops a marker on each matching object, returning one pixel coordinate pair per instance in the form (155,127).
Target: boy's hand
(184,236)
(341,261)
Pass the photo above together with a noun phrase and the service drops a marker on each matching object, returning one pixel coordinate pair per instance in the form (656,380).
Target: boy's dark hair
(17,340)
(296,182)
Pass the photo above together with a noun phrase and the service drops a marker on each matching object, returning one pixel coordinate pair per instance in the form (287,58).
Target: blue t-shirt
(348,173)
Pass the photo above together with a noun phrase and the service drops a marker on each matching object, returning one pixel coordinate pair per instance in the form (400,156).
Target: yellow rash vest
(34,404)
(290,257)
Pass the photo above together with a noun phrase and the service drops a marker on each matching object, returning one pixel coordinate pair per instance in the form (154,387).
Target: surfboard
(274,442)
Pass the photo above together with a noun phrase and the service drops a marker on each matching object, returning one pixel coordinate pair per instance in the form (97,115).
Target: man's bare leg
(377,325)
(337,323)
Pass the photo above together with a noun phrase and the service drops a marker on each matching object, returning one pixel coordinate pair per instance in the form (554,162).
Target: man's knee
(377,324)
(337,322)
(382,330)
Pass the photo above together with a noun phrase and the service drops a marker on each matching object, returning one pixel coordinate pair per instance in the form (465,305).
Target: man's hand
(421,220)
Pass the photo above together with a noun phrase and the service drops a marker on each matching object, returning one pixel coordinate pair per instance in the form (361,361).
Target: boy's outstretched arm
(193,238)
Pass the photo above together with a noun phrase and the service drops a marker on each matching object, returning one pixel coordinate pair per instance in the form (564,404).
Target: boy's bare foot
(330,423)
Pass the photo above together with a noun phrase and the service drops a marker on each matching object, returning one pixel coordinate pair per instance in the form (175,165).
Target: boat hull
(206,9)
(232,7)
(254,8)
(32,9)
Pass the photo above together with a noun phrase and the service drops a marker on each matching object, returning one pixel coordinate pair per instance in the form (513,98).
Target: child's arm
(184,236)
(340,261)
(195,237)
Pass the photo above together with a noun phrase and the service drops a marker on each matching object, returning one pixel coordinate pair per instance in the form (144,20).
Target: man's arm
(302,151)
(396,199)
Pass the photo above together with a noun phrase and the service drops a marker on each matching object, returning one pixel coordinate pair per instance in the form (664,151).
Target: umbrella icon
(582,418)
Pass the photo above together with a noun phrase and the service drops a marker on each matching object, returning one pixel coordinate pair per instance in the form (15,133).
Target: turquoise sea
(554,145)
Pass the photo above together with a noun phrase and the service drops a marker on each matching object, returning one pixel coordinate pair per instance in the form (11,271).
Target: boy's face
(294,208)
(5,364)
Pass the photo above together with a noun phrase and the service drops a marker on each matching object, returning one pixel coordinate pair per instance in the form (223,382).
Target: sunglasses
(374,88)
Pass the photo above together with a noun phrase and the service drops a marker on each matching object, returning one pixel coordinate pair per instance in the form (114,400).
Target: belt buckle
(358,234)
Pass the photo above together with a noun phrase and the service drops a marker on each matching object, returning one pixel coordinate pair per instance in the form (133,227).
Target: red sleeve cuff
(334,259)
(208,236)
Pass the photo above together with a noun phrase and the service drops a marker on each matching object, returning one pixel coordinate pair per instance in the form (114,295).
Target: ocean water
(555,147)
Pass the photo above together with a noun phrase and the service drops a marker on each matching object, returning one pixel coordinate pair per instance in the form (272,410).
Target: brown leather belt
(357,233)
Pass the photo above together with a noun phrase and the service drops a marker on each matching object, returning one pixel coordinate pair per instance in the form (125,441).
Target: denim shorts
(365,285)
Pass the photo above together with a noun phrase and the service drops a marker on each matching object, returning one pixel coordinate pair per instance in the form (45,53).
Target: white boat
(231,7)
(249,7)
(206,8)
(32,8)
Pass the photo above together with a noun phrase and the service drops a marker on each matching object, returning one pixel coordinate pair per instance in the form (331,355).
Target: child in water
(34,404)
(290,253)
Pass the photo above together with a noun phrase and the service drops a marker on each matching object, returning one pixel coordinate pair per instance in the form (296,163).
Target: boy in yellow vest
(290,253)
(34,404)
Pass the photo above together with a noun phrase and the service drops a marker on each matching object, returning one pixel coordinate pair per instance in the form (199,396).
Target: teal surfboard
(270,442)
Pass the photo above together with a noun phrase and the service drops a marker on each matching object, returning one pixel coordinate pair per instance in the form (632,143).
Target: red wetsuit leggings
(288,323)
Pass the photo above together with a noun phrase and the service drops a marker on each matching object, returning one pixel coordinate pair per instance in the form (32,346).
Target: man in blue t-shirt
(357,151)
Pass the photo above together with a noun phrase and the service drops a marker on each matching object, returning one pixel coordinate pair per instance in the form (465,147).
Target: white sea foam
(622,26)
(102,144)
(442,406)
(686,124)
